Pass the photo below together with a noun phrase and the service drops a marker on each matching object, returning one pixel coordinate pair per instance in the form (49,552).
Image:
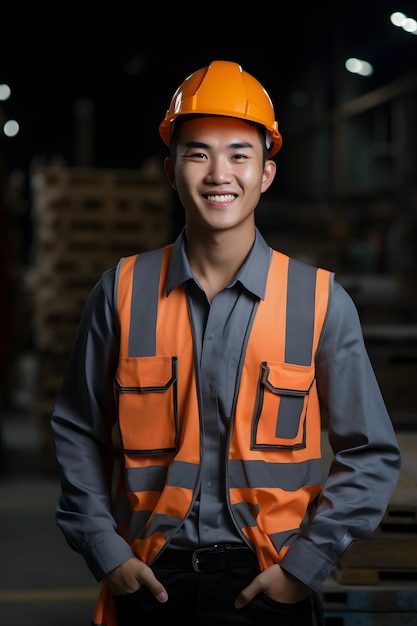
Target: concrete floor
(42,581)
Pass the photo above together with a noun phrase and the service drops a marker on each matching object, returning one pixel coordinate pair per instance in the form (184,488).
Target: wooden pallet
(386,596)
(399,618)
(85,220)
(399,517)
(348,575)
(390,552)
(385,554)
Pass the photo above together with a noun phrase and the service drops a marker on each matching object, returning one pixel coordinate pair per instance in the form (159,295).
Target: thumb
(155,586)
(161,596)
(246,595)
(158,590)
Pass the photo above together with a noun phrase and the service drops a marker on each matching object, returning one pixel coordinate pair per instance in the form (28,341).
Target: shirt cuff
(107,554)
(307,564)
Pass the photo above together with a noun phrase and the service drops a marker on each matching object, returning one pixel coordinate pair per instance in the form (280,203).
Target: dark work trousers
(207,599)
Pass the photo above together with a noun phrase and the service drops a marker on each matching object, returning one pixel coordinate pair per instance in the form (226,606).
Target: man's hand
(277,584)
(131,576)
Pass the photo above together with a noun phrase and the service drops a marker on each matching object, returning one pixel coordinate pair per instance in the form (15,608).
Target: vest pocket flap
(147,404)
(281,406)
(142,374)
(288,378)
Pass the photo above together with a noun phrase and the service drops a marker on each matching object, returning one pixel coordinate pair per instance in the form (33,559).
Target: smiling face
(219,172)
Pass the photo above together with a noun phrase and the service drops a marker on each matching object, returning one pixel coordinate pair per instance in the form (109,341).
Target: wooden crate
(389,553)
(84,221)
(376,618)
(383,556)
(386,604)
(392,349)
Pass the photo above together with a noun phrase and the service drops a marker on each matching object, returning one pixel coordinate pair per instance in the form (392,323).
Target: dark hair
(184,118)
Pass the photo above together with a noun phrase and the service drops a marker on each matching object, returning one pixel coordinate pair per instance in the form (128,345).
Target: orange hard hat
(223,88)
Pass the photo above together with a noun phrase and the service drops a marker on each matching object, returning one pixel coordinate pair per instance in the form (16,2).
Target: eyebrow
(232,146)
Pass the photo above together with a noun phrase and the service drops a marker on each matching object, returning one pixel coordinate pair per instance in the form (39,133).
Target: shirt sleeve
(367,459)
(82,424)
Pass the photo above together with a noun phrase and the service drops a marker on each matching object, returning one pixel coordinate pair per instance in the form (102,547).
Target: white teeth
(223,198)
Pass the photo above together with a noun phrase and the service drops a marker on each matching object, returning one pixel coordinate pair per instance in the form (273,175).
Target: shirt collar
(252,275)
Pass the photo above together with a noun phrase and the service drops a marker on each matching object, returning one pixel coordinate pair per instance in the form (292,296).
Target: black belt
(214,558)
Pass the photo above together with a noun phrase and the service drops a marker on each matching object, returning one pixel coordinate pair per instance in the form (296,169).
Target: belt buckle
(196,554)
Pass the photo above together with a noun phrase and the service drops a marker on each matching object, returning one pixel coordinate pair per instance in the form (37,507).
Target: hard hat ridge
(223,88)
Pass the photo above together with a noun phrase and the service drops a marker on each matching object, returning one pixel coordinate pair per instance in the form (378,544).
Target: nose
(219,171)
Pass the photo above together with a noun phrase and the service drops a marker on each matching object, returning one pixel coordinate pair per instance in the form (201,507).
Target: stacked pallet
(393,352)
(84,221)
(375,581)
(390,553)
(385,604)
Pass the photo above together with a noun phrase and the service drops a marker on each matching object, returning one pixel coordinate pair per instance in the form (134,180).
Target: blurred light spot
(410,25)
(357,66)
(4,91)
(398,18)
(401,20)
(11,128)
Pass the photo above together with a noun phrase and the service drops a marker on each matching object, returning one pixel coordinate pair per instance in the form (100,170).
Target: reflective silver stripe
(144,309)
(138,521)
(162,523)
(182,474)
(301,295)
(153,478)
(245,514)
(245,517)
(289,476)
(284,538)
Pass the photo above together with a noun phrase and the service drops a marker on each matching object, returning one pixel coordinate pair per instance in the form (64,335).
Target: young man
(214,357)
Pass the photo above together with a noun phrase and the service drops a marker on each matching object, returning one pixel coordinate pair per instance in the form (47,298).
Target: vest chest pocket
(146,391)
(281,406)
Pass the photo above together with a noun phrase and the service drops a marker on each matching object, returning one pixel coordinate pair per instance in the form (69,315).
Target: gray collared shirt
(366,461)
(219,329)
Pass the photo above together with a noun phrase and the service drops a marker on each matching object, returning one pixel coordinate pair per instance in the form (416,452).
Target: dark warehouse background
(82,184)
(126,61)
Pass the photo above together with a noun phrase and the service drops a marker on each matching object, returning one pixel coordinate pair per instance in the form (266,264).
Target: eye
(239,157)
(195,155)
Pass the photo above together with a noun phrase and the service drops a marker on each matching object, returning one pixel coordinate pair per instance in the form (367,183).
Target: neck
(216,257)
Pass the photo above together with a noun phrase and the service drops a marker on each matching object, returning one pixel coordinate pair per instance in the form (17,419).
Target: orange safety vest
(274,452)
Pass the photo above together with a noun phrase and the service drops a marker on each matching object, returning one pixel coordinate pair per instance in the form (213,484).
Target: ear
(170,172)
(270,169)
